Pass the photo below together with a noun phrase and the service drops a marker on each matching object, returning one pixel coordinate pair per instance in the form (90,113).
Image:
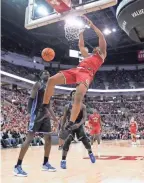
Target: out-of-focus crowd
(115,112)
(115,79)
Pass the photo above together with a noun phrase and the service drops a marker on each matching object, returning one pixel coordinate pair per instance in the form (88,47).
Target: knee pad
(86,143)
(67,143)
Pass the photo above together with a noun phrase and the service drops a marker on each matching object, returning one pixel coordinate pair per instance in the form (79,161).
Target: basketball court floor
(119,163)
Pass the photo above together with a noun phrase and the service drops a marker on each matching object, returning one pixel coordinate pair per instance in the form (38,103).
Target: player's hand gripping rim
(89,22)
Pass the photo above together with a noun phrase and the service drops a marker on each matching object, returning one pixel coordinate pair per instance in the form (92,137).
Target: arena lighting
(74,22)
(114,30)
(70,89)
(42,10)
(77,11)
(16,77)
(107,31)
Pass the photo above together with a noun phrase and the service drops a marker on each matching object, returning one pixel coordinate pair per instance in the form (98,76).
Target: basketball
(48,54)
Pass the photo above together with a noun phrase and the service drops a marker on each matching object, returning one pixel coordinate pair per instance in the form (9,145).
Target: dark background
(121,49)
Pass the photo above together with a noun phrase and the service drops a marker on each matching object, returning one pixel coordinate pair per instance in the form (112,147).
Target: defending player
(95,124)
(60,127)
(35,101)
(133,130)
(82,75)
(77,129)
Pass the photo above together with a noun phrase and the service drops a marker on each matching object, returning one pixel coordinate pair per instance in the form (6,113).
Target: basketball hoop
(73,27)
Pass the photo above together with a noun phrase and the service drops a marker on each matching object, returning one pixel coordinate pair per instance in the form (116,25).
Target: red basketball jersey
(93,62)
(133,126)
(94,121)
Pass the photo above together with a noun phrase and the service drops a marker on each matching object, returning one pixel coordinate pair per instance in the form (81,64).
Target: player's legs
(92,139)
(133,137)
(25,147)
(61,142)
(81,135)
(98,138)
(79,95)
(65,150)
(18,170)
(47,149)
(57,79)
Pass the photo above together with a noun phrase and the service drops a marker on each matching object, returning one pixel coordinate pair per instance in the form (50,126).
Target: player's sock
(63,157)
(45,160)
(89,151)
(19,162)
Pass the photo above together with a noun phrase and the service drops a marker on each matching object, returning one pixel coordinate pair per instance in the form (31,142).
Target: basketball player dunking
(82,75)
(133,130)
(35,101)
(95,124)
(77,129)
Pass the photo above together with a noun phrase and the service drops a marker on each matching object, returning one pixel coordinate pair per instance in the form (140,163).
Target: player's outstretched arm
(34,91)
(81,45)
(64,116)
(102,41)
(52,114)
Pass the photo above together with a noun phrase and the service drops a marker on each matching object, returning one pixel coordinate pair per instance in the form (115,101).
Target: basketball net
(73,27)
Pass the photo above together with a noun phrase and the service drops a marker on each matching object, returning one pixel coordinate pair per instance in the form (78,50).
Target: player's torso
(133,124)
(39,97)
(95,120)
(80,116)
(93,62)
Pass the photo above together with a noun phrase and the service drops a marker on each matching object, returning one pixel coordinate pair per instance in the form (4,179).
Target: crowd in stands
(115,112)
(115,79)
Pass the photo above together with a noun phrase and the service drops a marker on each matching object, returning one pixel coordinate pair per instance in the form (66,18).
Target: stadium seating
(115,79)
(114,114)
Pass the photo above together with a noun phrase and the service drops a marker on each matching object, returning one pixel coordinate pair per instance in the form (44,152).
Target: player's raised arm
(81,45)
(34,91)
(102,41)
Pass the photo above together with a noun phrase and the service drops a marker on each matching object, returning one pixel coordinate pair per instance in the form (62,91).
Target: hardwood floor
(119,163)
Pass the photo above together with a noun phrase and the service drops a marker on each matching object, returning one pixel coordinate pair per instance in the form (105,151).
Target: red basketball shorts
(133,131)
(95,131)
(78,75)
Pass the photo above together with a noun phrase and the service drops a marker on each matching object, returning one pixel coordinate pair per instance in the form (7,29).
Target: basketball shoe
(92,157)
(18,171)
(48,167)
(63,164)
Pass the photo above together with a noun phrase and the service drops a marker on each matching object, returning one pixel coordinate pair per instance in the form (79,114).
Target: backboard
(52,16)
